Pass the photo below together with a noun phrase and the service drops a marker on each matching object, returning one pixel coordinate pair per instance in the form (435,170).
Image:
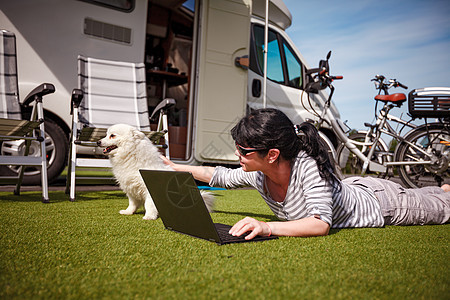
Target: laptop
(182,209)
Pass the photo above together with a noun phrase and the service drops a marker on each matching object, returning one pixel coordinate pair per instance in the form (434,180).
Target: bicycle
(422,155)
(365,138)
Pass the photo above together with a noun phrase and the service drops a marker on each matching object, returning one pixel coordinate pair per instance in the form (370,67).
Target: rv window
(282,62)
(294,67)
(274,60)
(123,5)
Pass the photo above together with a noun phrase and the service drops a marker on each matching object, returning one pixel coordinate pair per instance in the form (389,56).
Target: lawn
(86,250)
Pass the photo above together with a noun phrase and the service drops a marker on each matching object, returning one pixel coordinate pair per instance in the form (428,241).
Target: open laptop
(181,207)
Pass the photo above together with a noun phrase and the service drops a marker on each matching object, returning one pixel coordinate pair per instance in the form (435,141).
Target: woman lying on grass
(290,168)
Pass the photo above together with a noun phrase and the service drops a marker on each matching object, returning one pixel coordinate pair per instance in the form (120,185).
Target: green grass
(97,172)
(86,250)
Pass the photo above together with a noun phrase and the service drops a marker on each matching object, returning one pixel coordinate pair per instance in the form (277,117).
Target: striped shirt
(308,194)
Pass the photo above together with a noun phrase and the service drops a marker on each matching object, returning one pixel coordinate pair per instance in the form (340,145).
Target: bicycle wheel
(331,153)
(430,152)
(330,148)
(351,164)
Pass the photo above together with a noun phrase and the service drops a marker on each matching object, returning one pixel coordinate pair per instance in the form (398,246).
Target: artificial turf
(86,250)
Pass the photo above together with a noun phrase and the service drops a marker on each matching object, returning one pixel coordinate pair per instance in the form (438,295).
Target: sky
(408,40)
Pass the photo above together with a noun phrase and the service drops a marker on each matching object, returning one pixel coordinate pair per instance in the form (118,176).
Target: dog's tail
(209,199)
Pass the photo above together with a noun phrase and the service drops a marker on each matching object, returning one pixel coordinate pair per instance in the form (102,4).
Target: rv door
(222,86)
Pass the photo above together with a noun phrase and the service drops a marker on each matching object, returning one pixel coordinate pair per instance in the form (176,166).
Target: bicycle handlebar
(381,85)
(402,86)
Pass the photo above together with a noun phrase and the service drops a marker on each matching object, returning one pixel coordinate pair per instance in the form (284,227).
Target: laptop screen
(179,203)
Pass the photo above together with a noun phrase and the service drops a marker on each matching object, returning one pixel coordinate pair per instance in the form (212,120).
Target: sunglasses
(245,151)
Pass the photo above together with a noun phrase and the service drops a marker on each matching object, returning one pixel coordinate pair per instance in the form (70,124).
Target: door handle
(256,88)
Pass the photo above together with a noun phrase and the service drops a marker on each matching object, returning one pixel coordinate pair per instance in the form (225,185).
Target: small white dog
(130,150)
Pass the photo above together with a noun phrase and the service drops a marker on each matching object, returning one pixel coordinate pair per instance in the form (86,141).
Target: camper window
(283,66)
(294,67)
(274,62)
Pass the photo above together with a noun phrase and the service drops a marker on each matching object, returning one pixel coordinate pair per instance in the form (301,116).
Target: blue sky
(404,39)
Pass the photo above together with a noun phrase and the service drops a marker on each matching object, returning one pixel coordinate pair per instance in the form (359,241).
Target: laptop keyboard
(223,229)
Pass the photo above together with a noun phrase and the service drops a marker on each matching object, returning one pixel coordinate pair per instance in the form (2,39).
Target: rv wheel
(57,146)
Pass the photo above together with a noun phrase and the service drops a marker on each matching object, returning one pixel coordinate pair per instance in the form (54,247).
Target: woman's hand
(201,173)
(249,224)
(167,161)
(306,227)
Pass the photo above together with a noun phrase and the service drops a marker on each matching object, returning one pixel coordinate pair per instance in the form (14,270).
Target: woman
(290,168)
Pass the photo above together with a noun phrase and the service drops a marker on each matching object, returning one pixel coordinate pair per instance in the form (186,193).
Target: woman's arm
(201,173)
(307,227)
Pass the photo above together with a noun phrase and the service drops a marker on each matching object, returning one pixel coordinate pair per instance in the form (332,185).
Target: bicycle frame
(381,126)
(367,163)
(384,116)
(419,149)
(351,145)
(381,123)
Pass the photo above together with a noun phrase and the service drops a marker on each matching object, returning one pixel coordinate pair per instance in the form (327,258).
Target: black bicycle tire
(406,172)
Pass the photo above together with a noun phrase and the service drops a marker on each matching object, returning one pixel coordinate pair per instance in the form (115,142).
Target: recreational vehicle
(212,51)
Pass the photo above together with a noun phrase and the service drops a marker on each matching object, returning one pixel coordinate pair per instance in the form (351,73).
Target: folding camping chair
(110,92)
(17,135)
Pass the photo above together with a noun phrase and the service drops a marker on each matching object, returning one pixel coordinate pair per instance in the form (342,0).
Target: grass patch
(98,172)
(87,250)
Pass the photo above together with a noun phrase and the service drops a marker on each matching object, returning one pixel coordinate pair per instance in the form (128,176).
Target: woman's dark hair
(269,128)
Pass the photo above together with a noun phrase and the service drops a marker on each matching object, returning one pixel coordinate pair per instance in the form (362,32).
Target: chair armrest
(164,105)
(39,92)
(77,97)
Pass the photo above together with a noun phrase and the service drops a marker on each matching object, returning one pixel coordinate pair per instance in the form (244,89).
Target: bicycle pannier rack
(429,102)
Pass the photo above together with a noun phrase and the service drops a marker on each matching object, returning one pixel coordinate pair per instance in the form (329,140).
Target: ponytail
(314,146)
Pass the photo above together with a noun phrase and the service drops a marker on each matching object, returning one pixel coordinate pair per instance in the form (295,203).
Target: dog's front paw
(126,212)
(151,216)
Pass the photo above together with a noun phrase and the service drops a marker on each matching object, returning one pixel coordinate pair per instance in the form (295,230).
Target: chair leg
(22,170)
(71,171)
(70,181)
(44,177)
(163,125)
(69,167)
(39,111)
(19,181)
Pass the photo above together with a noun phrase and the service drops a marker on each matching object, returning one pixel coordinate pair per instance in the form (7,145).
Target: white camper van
(215,48)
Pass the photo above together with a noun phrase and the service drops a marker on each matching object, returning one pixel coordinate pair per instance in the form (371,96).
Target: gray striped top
(309,194)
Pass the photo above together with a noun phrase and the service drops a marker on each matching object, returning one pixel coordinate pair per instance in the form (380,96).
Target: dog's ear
(138,134)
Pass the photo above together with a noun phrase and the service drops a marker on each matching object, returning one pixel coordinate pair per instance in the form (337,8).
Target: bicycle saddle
(397,98)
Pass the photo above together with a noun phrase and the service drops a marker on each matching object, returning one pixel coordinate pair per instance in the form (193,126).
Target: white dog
(130,150)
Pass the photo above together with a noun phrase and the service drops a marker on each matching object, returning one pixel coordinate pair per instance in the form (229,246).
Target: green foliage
(392,145)
(87,250)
